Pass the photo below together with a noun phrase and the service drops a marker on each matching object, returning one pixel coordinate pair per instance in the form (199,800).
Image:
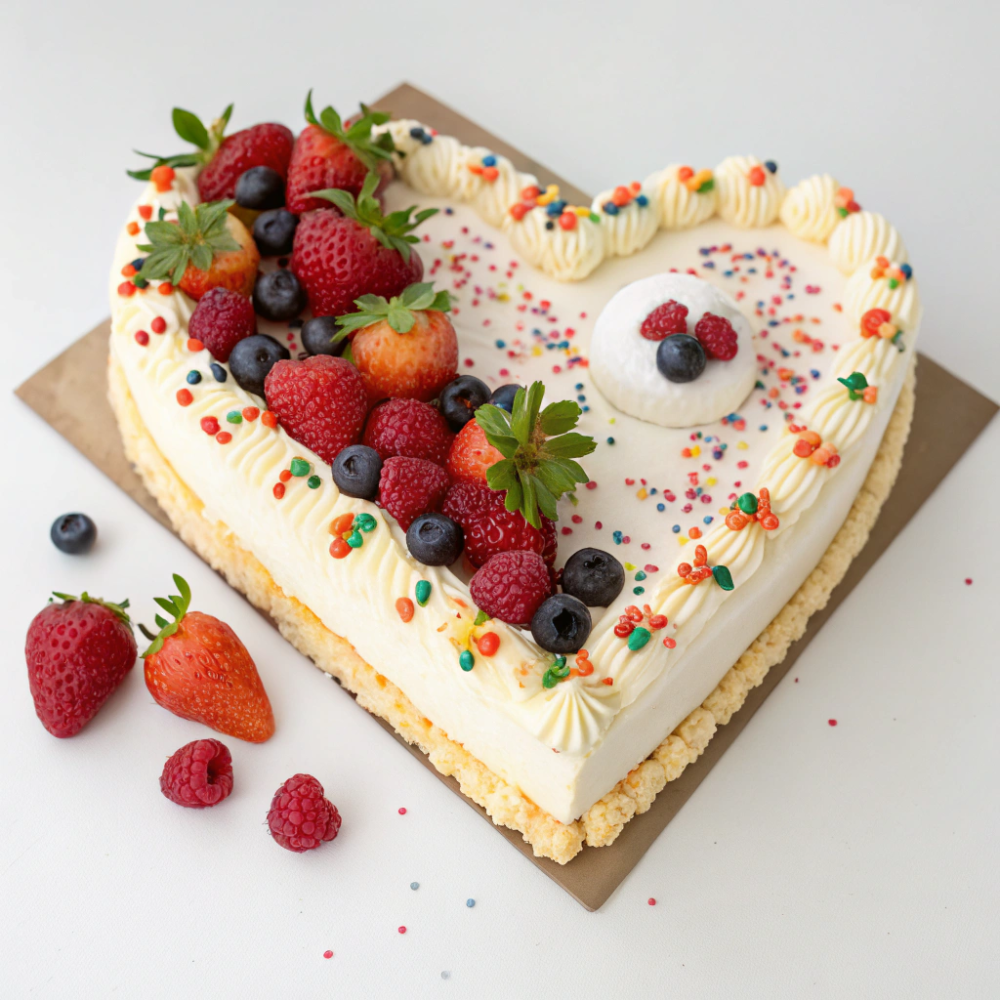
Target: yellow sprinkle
(683,540)
(695,451)
(742,446)
(724,510)
(581,212)
(611,420)
(503,297)
(536,351)
(629,566)
(642,494)
(711,481)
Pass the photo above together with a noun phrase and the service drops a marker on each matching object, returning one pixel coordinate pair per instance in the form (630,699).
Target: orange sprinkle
(285,475)
(165,288)
(223,437)
(490,174)
(128,271)
(184,397)
(132,228)
(250,413)
(488,643)
(404,606)
(278,491)
(685,174)
(126,288)
(695,532)
(757,177)
(341,524)
(268,419)
(608,680)
(339,548)
(195,345)
(163,177)
(146,212)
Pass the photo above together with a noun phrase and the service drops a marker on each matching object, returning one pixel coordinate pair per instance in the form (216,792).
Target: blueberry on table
(260,188)
(435,540)
(274,232)
(317,336)
(357,471)
(252,358)
(461,398)
(680,358)
(594,576)
(503,396)
(278,296)
(561,624)
(73,533)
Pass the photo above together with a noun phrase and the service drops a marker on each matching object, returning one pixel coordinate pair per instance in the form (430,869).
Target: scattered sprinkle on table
(831,722)
(414,885)
(651,901)
(470,903)
(445,975)
(401,810)
(328,953)
(401,929)
(968,581)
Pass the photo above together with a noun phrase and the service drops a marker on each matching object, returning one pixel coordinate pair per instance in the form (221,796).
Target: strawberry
(224,158)
(78,652)
(340,256)
(471,455)
(205,248)
(328,154)
(410,487)
(198,669)
(321,402)
(490,527)
(410,429)
(404,347)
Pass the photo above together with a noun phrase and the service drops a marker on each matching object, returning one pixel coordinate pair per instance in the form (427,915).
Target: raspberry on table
(665,319)
(410,487)
(301,817)
(408,428)
(198,775)
(717,336)
(221,319)
(511,586)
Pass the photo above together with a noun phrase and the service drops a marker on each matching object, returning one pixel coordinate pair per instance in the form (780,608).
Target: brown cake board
(949,415)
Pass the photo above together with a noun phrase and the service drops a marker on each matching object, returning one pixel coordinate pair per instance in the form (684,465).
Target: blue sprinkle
(417,132)
(661,507)
(555,208)
(638,590)
(550,224)
(652,491)
(610,207)
(617,536)
(414,885)
(138,262)
(771,166)
(449,211)
(814,372)
(193,378)
(578,387)
(763,427)
(611,440)
(219,372)
(427,139)
(581,399)
(907,270)
(676,529)
(489,161)
(708,520)
(470,903)
(586,409)
(709,263)
(641,200)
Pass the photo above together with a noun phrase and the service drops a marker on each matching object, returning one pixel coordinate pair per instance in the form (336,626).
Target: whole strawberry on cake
(529,477)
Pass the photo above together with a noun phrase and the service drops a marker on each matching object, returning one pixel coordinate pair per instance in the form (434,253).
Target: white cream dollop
(865,291)
(861,237)
(808,210)
(435,168)
(680,207)
(632,227)
(565,254)
(573,716)
(742,203)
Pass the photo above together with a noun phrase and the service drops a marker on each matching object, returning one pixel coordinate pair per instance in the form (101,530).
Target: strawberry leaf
(119,610)
(200,234)
(557,418)
(177,607)
(399,311)
(189,127)
(571,445)
(358,135)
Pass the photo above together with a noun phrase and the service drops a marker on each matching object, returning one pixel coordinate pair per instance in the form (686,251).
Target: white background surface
(859,860)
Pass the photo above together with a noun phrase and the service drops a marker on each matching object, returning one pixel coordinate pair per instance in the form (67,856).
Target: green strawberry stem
(394,231)
(198,236)
(117,609)
(176,605)
(357,135)
(190,128)
(399,311)
(538,448)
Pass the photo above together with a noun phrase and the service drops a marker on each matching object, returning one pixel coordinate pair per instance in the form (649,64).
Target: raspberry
(409,429)
(490,528)
(321,402)
(221,319)
(300,817)
(471,454)
(510,586)
(198,775)
(717,336)
(410,487)
(671,317)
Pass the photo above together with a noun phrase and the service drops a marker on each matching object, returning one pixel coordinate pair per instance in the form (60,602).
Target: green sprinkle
(366,522)
(234,417)
(747,503)
(723,577)
(313,482)
(638,590)
(893,282)
(855,381)
(559,668)
(594,217)
(639,637)
(640,576)
(300,467)
(481,618)
(422,592)
(139,281)
(549,680)
(466,660)
(355,540)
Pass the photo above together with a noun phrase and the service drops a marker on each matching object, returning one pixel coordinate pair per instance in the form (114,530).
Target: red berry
(198,775)
(221,319)
(410,429)
(671,317)
(490,528)
(717,336)
(321,402)
(511,585)
(301,817)
(410,487)
(78,652)
(337,260)
(266,145)
(471,454)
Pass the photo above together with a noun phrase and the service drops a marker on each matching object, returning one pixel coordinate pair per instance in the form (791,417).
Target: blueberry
(503,396)
(218,372)
(460,400)
(73,533)
(562,624)
(771,166)
(435,540)
(252,358)
(594,576)
(357,470)
(274,232)
(260,188)
(680,358)
(278,296)
(318,333)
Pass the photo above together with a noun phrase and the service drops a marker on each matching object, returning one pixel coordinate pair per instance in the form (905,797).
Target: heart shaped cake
(548,486)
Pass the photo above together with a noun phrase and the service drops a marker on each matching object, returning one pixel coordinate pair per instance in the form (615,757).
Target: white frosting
(680,208)
(437,168)
(864,292)
(809,211)
(623,361)
(632,228)
(861,237)
(744,204)
(566,254)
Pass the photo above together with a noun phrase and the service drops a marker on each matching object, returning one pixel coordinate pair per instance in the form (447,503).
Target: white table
(814,861)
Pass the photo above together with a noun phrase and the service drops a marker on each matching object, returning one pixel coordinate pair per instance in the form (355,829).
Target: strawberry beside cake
(548,486)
